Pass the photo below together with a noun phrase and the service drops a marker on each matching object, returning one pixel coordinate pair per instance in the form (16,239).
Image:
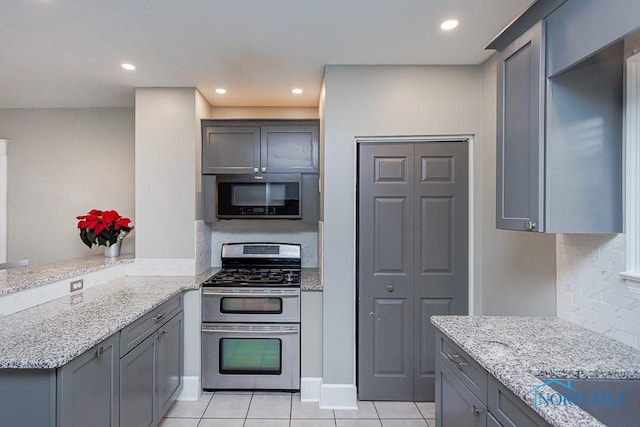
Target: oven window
(251,305)
(251,356)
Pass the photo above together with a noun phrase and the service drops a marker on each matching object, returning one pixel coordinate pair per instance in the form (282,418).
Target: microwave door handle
(231,331)
(251,295)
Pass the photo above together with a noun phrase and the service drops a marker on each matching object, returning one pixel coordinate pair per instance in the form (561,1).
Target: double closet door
(412,261)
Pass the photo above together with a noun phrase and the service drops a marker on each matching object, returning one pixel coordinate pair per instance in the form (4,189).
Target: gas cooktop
(254,277)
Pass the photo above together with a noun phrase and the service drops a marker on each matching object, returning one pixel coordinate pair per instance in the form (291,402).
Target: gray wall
(517,269)
(508,267)
(63,163)
(375,101)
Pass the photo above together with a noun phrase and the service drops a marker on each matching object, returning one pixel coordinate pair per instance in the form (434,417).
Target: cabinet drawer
(137,331)
(464,367)
(509,410)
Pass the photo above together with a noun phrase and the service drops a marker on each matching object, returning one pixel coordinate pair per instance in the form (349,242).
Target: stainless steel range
(251,319)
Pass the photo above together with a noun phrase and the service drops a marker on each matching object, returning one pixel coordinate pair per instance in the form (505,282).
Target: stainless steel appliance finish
(251,319)
(251,304)
(259,196)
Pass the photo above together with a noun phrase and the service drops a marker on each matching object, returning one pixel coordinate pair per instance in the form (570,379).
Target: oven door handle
(235,331)
(252,295)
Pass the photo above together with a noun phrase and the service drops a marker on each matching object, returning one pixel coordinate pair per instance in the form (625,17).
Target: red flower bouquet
(102,228)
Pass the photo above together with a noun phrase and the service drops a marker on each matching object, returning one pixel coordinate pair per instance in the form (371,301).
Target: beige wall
(63,163)
(264,112)
(165,172)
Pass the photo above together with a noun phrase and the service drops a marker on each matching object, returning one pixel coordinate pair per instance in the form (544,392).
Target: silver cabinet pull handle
(529,225)
(264,169)
(476,411)
(389,288)
(159,316)
(255,170)
(99,351)
(455,359)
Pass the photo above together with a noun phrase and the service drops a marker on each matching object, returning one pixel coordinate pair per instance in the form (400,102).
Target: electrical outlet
(76,285)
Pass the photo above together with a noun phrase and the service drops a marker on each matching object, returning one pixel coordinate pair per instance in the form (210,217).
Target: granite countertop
(310,280)
(516,350)
(51,334)
(20,279)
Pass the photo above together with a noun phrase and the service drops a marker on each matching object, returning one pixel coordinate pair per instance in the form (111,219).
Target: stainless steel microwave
(259,196)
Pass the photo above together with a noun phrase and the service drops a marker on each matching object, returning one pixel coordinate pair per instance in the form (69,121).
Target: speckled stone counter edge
(119,316)
(20,279)
(520,380)
(310,280)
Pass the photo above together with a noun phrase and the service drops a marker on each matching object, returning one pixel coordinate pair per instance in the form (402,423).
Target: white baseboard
(190,389)
(310,389)
(338,396)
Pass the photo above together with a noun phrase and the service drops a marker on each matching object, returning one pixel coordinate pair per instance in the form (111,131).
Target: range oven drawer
(262,305)
(250,356)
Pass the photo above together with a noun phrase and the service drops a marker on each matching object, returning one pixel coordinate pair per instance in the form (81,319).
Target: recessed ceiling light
(296,91)
(221,91)
(128,67)
(449,24)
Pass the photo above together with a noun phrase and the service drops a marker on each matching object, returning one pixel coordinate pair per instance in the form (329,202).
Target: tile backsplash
(266,230)
(590,291)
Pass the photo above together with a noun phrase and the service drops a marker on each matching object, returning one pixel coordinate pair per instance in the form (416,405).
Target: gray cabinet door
(230,149)
(510,410)
(412,261)
(289,149)
(520,151)
(137,372)
(87,387)
(456,405)
(169,363)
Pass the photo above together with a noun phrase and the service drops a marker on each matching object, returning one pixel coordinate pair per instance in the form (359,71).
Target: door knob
(389,288)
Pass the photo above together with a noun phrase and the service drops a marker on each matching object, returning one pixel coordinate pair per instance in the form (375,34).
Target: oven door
(250,356)
(251,304)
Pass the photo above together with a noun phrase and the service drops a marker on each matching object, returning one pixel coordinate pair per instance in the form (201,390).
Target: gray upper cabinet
(580,28)
(520,134)
(237,146)
(230,149)
(559,136)
(289,149)
(87,387)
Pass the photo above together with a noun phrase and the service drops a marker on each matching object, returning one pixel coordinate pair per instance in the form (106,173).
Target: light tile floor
(237,409)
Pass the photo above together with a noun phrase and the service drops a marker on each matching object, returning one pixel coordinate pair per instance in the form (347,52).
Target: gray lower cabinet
(467,395)
(87,387)
(129,379)
(151,374)
(456,405)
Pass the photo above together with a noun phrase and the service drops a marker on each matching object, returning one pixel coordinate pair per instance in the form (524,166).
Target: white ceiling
(67,53)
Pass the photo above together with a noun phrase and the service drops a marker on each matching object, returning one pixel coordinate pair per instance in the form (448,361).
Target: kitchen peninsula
(112,352)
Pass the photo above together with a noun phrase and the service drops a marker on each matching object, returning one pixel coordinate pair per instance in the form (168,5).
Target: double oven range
(251,319)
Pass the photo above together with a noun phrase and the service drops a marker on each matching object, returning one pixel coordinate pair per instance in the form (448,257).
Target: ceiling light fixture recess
(296,91)
(221,91)
(128,67)
(449,24)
